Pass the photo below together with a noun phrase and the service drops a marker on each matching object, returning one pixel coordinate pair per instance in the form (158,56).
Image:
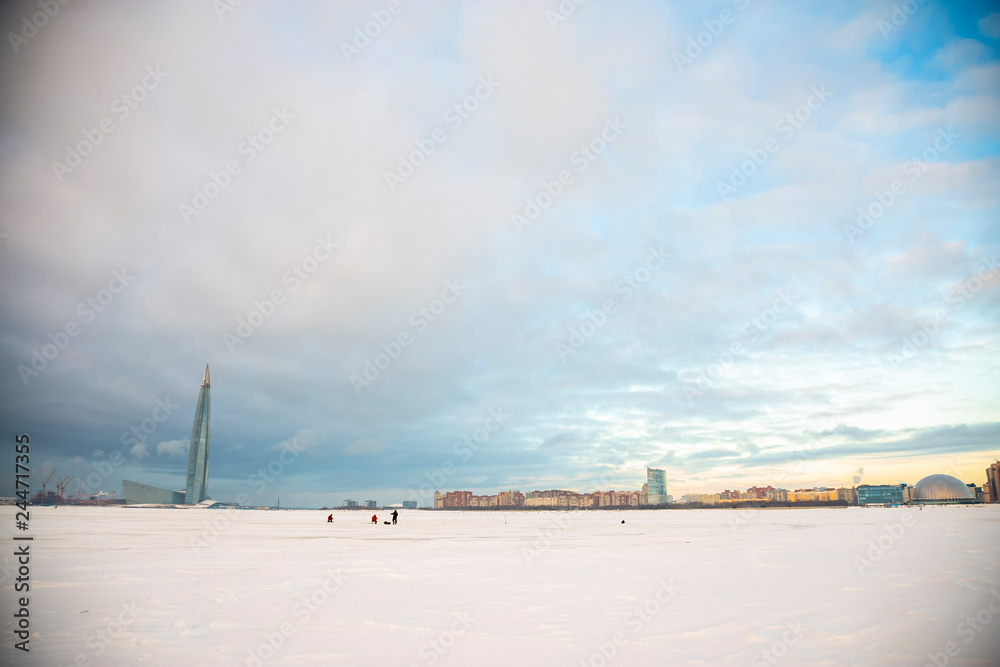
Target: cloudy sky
(492,245)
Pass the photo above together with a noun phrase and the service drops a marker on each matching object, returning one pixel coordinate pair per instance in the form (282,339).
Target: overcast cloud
(626,236)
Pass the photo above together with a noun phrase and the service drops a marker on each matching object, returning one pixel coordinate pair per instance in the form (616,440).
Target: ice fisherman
(329,519)
(374,519)
(394,515)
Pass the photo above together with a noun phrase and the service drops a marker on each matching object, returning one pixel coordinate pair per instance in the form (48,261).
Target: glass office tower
(656,483)
(197,470)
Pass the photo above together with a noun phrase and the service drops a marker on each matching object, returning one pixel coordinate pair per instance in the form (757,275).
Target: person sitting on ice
(374,519)
(329,519)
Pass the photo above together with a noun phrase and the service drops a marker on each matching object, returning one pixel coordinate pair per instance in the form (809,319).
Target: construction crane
(41,495)
(62,485)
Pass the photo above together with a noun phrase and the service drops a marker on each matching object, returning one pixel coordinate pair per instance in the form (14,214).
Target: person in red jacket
(374,519)
(329,519)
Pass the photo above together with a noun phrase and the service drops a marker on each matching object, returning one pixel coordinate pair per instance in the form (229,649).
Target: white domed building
(941,490)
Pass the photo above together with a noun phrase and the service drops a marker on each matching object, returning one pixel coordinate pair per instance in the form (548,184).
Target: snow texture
(855,586)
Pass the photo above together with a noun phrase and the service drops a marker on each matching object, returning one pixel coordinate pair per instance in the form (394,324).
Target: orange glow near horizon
(969,468)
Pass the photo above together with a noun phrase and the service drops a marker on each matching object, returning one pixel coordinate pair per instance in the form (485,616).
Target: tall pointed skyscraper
(197,470)
(196,489)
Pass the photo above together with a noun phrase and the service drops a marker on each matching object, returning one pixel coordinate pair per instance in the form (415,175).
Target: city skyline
(767,252)
(195,489)
(792,466)
(756,491)
(655,487)
(933,489)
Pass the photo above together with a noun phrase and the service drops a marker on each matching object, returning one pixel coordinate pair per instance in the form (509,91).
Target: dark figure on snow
(374,519)
(394,515)
(329,519)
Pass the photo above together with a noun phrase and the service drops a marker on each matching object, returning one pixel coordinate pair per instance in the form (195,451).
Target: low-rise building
(881,494)
(848,494)
(978,493)
(813,495)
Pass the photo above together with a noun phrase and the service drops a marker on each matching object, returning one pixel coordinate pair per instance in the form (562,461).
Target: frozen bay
(854,586)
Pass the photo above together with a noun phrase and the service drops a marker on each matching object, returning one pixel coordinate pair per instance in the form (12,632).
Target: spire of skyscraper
(205,381)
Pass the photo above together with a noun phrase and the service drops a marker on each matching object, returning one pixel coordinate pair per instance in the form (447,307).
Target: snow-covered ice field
(892,586)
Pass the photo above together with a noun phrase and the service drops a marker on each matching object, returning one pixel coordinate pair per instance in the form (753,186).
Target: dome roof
(942,487)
